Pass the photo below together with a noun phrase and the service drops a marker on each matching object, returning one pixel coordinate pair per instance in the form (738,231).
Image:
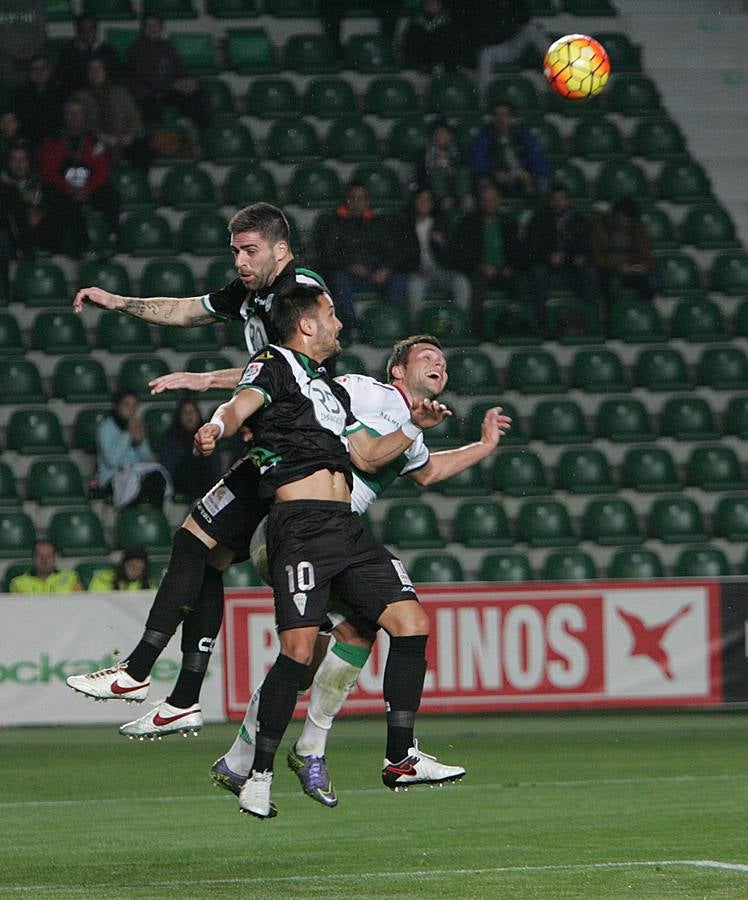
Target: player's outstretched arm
(446,463)
(196,381)
(183,312)
(370,453)
(227,419)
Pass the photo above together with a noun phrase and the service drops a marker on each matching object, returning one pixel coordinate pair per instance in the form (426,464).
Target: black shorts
(312,542)
(232,509)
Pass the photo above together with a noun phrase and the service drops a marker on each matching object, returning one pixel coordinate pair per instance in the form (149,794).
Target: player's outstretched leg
(230,770)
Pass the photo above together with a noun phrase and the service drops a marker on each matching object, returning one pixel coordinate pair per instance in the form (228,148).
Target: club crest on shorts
(299,598)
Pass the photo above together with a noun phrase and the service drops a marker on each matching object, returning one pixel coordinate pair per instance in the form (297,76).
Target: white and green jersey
(381,409)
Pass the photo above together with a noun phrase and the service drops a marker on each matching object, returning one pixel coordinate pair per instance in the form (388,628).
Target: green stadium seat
(242,575)
(9,498)
(636,321)
(58,10)
(80,379)
(630,564)
(293,141)
(249,51)
(20,381)
(85,426)
(736,416)
(474,422)
(131,184)
(519,473)
(380,325)
(196,51)
(684,181)
(624,55)
(662,233)
(228,143)
(676,520)
(329,98)
(411,526)
(549,138)
(40,283)
(559,422)
(218,97)
(382,184)
(111,276)
(649,469)
(677,275)
(191,340)
(617,180)
(468,483)
(35,432)
(520,92)
(610,522)
(723,368)
(430,567)
(447,322)
(136,371)
(120,38)
(584,471)
(569,565)
(542,8)
(729,273)
(204,234)
(598,371)
(635,96)
(471,372)
(688,419)
(59,333)
(534,372)
(481,523)
(661,369)
(146,234)
(698,320)
(143,525)
(709,229)
(598,140)
(87,568)
(623,420)
(169,9)
(109,9)
(715,469)
(231,9)
(509,322)
(17,535)
(445,435)
(451,95)
(273,98)
(188,187)
(740,322)
(78,532)
(591,109)
(401,489)
(466,129)
(505,567)
(701,562)
(247,184)
(310,54)
(158,420)
(658,139)
(391,98)
(315,186)
(213,362)
(55,482)
(545,523)
(370,54)
(589,7)
(407,139)
(352,140)
(11,343)
(291,9)
(573,321)
(731,518)
(573,179)
(168,278)
(351,364)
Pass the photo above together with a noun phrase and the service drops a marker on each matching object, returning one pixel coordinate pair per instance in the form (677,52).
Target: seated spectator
(22,35)
(126,465)
(428,255)
(111,113)
(44,577)
(192,475)
(493,251)
(432,40)
(508,153)
(77,165)
(358,251)
(442,169)
(10,133)
(622,251)
(159,77)
(71,72)
(38,103)
(559,247)
(15,236)
(131,574)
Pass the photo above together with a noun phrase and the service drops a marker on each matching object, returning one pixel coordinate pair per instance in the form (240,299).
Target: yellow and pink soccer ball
(576,66)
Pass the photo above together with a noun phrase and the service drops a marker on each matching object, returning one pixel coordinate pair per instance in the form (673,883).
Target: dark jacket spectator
(71,72)
(10,133)
(38,103)
(442,169)
(192,475)
(432,40)
(15,236)
(622,251)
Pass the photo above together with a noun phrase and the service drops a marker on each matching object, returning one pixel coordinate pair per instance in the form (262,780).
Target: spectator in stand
(432,40)
(127,469)
(10,133)
(15,237)
(559,245)
(159,77)
(493,251)
(131,574)
(428,254)
(332,13)
(508,153)
(22,35)
(622,251)
(38,103)
(44,577)
(71,72)
(192,475)
(442,169)
(76,165)
(111,113)
(357,251)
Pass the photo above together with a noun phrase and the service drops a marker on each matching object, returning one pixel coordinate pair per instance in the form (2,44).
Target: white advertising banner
(43,639)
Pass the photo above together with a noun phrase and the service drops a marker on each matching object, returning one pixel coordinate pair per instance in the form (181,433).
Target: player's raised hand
(175,381)
(206,438)
(495,426)
(97,296)
(427,413)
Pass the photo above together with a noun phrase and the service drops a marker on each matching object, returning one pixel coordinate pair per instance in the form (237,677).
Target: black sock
(277,702)
(403,685)
(147,651)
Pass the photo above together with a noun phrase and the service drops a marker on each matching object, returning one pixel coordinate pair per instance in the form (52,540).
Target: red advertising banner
(535,647)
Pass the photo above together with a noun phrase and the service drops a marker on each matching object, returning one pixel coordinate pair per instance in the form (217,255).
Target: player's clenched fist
(206,438)
(427,413)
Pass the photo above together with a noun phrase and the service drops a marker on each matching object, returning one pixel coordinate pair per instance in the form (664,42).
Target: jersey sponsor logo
(255,335)
(299,599)
(251,372)
(206,644)
(217,498)
(327,409)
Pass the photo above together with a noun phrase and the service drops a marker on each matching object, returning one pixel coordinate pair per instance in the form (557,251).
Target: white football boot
(254,797)
(418,768)
(110,684)
(164,719)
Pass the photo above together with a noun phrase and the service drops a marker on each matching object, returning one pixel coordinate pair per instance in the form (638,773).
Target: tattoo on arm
(204,319)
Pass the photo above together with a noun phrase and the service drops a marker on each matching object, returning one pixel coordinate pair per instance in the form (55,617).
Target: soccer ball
(576,66)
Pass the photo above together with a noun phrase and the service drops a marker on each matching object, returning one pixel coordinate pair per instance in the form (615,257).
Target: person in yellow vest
(130,575)
(44,577)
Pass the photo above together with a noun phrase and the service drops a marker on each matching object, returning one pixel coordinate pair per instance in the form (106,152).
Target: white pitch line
(416,874)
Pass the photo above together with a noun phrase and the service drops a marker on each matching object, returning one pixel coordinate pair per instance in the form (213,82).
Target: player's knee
(298,646)
(405,619)
(357,634)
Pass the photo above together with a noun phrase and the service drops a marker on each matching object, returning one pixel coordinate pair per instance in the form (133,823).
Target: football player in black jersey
(300,417)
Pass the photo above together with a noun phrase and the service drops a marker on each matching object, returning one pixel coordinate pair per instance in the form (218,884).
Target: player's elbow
(364,464)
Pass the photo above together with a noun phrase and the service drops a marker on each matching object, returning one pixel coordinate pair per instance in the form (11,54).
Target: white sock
(242,753)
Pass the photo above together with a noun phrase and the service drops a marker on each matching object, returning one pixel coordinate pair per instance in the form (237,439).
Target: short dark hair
(401,350)
(264,218)
(291,306)
(85,17)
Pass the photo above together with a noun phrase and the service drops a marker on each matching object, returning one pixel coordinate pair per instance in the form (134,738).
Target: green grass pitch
(606,805)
